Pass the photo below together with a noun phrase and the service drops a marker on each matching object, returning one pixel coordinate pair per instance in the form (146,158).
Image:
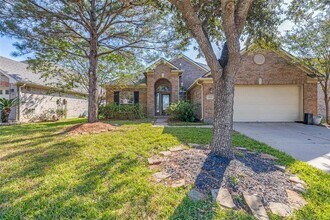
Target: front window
(126,97)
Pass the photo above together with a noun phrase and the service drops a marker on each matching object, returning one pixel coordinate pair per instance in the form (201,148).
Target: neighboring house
(38,97)
(269,88)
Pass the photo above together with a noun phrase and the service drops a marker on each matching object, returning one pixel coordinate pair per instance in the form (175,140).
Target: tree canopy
(87,29)
(309,40)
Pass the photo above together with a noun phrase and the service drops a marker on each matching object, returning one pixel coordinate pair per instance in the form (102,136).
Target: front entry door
(162,102)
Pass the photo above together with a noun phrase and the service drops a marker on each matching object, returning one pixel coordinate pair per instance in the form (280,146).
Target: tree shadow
(213,175)
(69,201)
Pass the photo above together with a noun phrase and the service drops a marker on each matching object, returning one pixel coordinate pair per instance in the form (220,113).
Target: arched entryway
(162,96)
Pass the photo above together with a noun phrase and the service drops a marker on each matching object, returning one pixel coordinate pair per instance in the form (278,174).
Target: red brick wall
(142,95)
(162,71)
(195,97)
(321,104)
(275,71)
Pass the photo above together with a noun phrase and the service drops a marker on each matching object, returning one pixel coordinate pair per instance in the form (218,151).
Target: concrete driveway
(304,142)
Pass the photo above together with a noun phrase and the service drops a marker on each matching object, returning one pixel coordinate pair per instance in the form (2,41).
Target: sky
(6,47)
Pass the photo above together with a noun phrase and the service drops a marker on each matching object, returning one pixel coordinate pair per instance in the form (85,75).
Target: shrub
(114,111)
(183,111)
(5,108)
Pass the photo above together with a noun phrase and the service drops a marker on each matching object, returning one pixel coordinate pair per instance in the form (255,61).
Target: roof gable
(159,62)
(199,65)
(280,52)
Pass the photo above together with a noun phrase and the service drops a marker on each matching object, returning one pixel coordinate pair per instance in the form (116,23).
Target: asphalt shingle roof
(19,71)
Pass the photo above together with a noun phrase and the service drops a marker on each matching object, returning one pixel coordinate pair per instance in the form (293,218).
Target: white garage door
(267,103)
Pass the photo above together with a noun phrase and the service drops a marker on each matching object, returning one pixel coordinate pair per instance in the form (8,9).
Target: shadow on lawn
(212,174)
(70,199)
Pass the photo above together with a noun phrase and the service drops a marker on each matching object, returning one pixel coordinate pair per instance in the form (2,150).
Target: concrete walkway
(160,122)
(304,142)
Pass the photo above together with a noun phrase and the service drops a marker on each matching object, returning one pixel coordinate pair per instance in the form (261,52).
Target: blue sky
(6,47)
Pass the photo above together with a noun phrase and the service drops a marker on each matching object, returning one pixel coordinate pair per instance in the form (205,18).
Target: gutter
(52,88)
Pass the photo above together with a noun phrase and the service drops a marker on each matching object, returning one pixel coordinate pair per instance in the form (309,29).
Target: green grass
(187,123)
(45,174)
(132,122)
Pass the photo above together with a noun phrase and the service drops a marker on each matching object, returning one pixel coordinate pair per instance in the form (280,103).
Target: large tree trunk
(92,90)
(92,73)
(223,109)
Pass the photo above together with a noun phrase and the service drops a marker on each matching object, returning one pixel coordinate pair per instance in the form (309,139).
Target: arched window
(163,86)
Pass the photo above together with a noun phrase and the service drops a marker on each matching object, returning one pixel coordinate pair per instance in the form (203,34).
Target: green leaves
(8,103)
(310,41)
(183,111)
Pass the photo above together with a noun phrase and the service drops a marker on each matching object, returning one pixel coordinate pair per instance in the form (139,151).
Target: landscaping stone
(295,200)
(241,148)
(267,156)
(296,179)
(178,148)
(161,176)
(299,188)
(196,195)
(251,152)
(165,153)
(280,209)
(178,183)
(223,197)
(281,168)
(255,205)
(250,174)
(154,166)
(193,145)
(155,160)
(199,146)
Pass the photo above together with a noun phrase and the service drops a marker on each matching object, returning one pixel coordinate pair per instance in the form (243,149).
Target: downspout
(202,99)
(19,91)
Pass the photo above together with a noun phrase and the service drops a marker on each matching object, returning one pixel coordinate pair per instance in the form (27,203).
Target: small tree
(310,41)
(5,108)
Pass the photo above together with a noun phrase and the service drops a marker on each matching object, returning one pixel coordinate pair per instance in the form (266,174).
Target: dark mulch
(247,172)
(89,128)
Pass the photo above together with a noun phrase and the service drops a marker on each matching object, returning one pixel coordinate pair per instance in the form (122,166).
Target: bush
(114,111)
(183,111)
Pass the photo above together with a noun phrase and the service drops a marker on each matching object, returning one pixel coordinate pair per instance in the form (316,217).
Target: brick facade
(195,97)
(276,70)
(191,71)
(161,71)
(321,104)
(141,89)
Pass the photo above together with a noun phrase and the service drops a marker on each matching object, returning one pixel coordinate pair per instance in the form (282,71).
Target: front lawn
(181,123)
(45,174)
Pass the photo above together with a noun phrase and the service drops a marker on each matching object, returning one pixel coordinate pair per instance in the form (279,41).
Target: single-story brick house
(269,88)
(38,97)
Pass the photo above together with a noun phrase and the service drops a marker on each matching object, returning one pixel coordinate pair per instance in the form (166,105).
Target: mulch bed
(248,172)
(89,128)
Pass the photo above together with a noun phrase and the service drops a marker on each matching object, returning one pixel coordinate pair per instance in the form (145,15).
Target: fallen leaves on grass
(90,128)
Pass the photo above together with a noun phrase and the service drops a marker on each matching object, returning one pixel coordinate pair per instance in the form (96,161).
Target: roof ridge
(190,60)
